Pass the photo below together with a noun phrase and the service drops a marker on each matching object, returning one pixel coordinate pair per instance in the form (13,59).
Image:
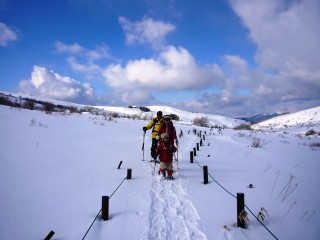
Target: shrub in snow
(256,142)
(243,126)
(33,122)
(174,117)
(201,121)
(315,145)
(115,115)
(311,132)
(28,105)
(48,107)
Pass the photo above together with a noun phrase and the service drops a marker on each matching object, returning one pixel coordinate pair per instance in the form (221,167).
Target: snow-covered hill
(259,117)
(184,116)
(299,121)
(55,168)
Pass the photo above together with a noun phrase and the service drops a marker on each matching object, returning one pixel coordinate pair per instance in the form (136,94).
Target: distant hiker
(167,127)
(155,125)
(165,150)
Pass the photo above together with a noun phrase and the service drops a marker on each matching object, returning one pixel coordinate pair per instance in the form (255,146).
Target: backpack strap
(155,120)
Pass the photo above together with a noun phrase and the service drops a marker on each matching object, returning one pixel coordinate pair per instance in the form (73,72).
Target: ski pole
(154,166)
(177,158)
(144,135)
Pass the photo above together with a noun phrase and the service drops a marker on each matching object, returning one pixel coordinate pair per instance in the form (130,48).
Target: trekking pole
(154,166)
(144,135)
(178,157)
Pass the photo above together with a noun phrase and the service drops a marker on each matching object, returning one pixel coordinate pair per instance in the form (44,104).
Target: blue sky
(229,57)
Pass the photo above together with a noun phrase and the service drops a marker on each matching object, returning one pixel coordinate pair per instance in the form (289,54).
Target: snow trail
(172,215)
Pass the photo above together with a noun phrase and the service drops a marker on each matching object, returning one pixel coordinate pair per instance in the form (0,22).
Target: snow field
(55,169)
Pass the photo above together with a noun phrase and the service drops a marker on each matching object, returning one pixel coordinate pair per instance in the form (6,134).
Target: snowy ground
(55,169)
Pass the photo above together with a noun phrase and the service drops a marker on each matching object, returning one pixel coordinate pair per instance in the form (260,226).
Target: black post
(200,142)
(119,165)
(197,146)
(205,175)
(240,210)
(194,152)
(49,235)
(191,156)
(105,208)
(204,137)
(129,173)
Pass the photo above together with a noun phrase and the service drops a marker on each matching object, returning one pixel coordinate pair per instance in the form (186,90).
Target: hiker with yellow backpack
(155,125)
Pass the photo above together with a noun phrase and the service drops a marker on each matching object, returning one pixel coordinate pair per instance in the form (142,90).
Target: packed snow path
(172,215)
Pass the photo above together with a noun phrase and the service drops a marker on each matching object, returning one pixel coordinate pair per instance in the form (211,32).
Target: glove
(157,137)
(144,129)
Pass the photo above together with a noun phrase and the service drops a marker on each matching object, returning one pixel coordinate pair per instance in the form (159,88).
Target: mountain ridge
(305,119)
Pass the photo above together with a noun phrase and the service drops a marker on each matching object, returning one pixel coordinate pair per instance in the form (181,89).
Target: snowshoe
(155,160)
(170,177)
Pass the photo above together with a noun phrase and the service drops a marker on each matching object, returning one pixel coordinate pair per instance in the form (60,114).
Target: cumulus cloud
(287,75)
(82,59)
(74,48)
(7,35)
(173,69)
(286,33)
(45,83)
(146,31)
(89,67)
(99,52)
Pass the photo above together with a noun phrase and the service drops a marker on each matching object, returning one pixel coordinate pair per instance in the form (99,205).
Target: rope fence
(105,199)
(193,157)
(127,177)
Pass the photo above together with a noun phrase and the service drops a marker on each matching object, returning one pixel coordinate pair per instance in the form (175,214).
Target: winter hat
(167,117)
(164,135)
(159,114)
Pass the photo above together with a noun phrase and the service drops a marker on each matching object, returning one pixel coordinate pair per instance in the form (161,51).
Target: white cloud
(287,71)
(237,63)
(82,59)
(287,76)
(88,67)
(287,33)
(100,52)
(146,31)
(7,35)
(173,69)
(45,83)
(74,48)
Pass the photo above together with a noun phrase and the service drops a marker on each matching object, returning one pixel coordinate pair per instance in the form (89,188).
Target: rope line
(117,187)
(236,197)
(260,222)
(92,224)
(101,209)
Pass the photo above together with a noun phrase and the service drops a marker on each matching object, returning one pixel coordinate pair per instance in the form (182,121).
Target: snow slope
(184,117)
(302,120)
(55,168)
